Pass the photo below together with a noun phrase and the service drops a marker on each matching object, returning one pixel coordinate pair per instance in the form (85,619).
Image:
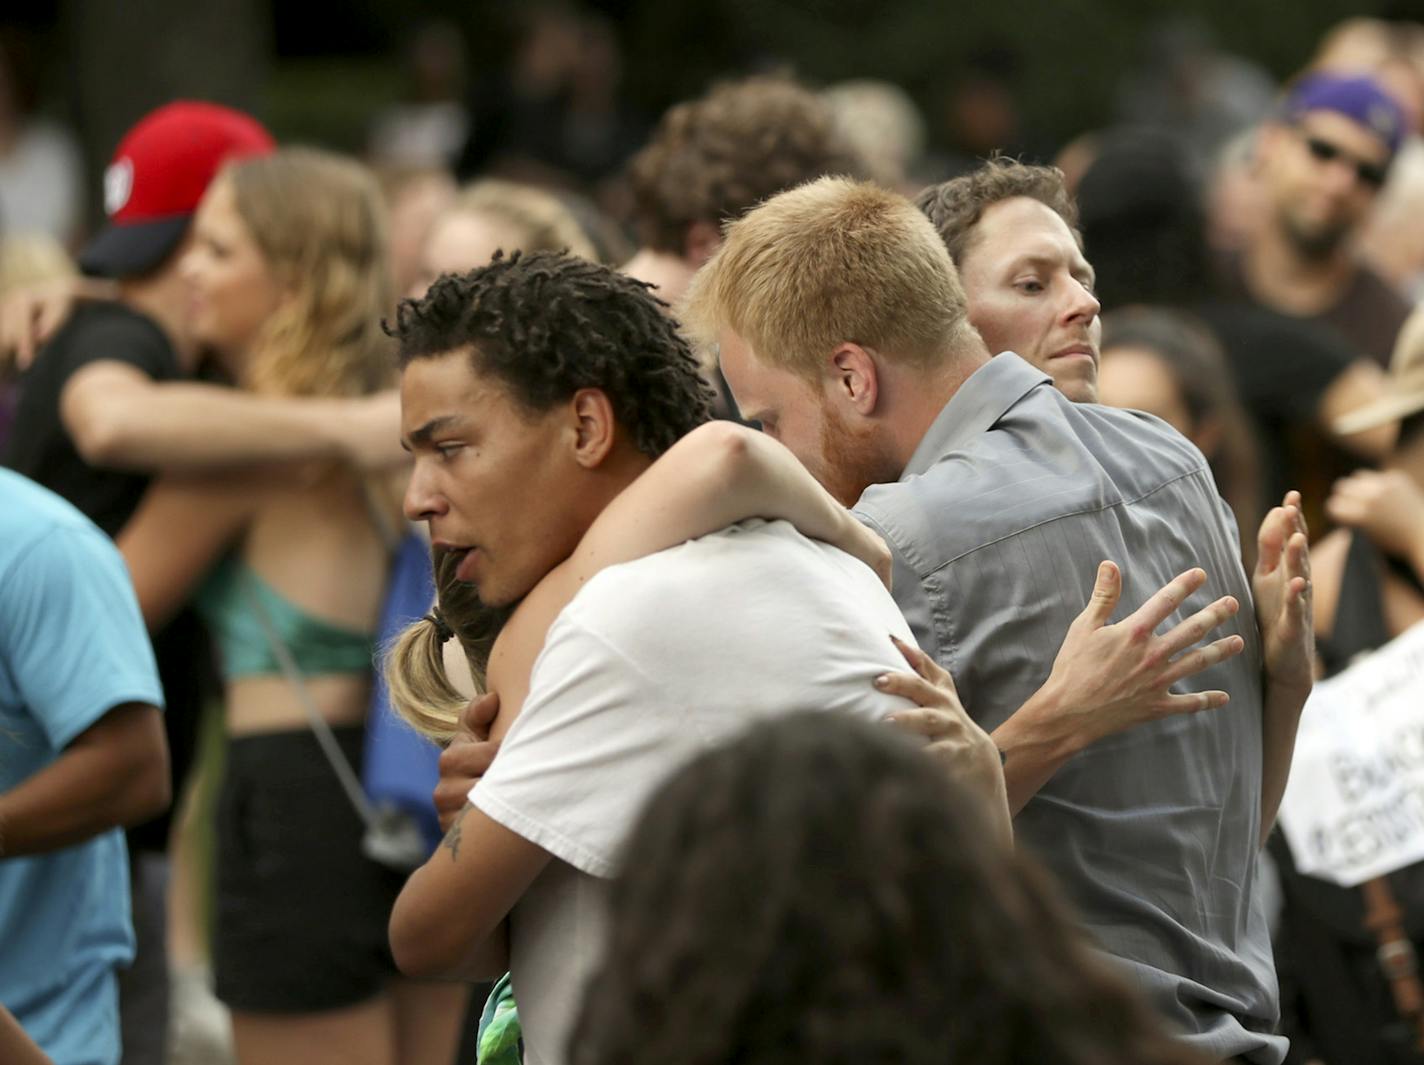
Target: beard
(852,458)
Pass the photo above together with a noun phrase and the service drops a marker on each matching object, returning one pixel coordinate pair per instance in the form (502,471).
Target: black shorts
(301,913)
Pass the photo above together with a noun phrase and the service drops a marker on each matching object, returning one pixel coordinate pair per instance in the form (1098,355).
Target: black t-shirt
(1369,315)
(40,447)
(1282,367)
(1365,320)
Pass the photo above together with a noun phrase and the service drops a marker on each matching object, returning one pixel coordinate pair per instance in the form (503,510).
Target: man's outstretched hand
(467,758)
(1109,678)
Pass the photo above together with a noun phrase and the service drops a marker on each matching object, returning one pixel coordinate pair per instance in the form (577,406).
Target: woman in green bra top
(287,274)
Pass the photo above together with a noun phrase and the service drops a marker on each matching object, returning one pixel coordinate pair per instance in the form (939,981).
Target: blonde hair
(832,261)
(420,689)
(546,224)
(319,222)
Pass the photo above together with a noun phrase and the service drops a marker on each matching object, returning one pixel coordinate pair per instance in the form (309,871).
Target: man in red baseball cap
(108,402)
(159,173)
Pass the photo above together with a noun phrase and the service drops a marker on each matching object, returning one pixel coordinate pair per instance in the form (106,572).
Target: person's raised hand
(952,738)
(467,758)
(1281,586)
(1109,678)
(1386,505)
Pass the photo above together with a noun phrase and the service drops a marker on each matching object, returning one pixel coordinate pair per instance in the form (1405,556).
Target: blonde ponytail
(420,689)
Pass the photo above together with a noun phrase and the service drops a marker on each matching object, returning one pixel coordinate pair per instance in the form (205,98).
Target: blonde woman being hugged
(288,281)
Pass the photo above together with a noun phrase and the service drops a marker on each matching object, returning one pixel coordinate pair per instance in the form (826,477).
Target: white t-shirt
(653,662)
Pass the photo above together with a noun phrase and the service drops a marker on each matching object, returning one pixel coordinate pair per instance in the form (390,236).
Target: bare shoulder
(521,640)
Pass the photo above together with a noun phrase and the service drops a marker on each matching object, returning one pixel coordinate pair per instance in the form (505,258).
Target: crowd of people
(813,609)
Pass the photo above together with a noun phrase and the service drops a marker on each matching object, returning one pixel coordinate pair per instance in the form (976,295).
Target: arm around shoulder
(717,475)
(120,417)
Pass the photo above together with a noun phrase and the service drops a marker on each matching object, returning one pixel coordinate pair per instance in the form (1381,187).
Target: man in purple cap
(1321,162)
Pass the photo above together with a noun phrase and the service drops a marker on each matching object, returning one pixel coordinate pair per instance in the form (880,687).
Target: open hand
(1281,585)
(1109,678)
(467,758)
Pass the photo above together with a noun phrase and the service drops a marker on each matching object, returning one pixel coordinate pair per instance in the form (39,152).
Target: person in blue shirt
(82,754)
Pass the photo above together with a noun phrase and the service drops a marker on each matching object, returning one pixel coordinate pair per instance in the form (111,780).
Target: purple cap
(1358,97)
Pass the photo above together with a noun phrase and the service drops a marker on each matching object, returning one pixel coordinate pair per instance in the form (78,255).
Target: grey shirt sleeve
(909,591)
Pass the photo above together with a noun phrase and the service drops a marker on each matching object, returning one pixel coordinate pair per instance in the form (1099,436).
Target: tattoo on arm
(452,838)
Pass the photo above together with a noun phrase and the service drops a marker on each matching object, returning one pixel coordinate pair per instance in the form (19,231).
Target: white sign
(1354,808)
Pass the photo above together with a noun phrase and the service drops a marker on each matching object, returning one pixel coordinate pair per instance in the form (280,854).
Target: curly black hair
(818,893)
(549,324)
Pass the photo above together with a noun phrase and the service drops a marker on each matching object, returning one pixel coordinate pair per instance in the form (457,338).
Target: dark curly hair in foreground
(818,893)
(548,325)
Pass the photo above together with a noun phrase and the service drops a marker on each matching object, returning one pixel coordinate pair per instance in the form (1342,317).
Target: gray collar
(981,401)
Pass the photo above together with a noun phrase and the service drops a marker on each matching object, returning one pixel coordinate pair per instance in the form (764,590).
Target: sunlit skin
(1136,378)
(232,290)
(462,240)
(1318,203)
(1030,291)
(494,481)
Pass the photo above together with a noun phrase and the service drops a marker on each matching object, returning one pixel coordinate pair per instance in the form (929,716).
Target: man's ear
(594,427)
(701,242)
(855,377)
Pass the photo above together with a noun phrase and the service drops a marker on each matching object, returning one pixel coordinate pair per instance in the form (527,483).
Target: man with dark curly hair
(534,391)
(712,159)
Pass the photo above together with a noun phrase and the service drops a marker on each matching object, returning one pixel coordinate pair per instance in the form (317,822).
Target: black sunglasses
(1372,174)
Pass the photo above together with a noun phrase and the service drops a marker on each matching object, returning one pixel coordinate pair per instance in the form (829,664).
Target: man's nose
(422,501)
(1084,305)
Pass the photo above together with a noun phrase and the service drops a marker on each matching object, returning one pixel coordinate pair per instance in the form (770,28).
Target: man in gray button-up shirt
(841,326)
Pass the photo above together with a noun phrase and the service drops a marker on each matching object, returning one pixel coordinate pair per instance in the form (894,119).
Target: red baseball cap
(159,173)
